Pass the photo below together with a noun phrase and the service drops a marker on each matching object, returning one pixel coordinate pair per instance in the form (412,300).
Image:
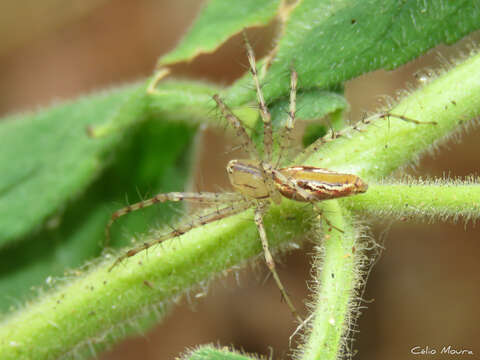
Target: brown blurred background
(425,286)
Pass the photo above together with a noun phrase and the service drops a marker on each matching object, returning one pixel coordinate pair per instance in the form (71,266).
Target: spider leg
(286,133)
(328,222)
(259,211)
(266,117)
(334,135)
(403,118)
(290,182)
(200,197)
(237,125)
(198,221)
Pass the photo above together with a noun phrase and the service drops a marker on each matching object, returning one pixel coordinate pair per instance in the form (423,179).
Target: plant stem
(209,352)
(337,274)
(96,306)
(432,200)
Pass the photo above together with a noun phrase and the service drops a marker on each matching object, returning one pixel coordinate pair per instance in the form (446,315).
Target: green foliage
(312,106)
(229,18)
(41,181)
(59,186)
(335,42)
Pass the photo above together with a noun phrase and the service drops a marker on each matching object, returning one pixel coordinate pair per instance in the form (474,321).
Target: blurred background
(423,291)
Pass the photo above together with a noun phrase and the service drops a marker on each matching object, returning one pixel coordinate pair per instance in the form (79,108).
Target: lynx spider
(256,181)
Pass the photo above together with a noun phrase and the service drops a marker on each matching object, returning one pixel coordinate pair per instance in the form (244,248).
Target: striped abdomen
(317,183)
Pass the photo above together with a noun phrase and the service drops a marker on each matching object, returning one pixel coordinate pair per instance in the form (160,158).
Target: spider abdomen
(317,183)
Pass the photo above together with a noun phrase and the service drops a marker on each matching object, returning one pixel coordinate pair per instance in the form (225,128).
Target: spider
(257,182)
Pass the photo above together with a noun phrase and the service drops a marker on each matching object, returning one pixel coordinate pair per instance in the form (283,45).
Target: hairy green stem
(432,200)
(337,277)
(96,306)
(209,352)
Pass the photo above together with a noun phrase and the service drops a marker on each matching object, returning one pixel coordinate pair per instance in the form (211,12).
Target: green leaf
(186,101)
(154,159)
(312,105)
(218,21)
(331,42)
(47,159)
